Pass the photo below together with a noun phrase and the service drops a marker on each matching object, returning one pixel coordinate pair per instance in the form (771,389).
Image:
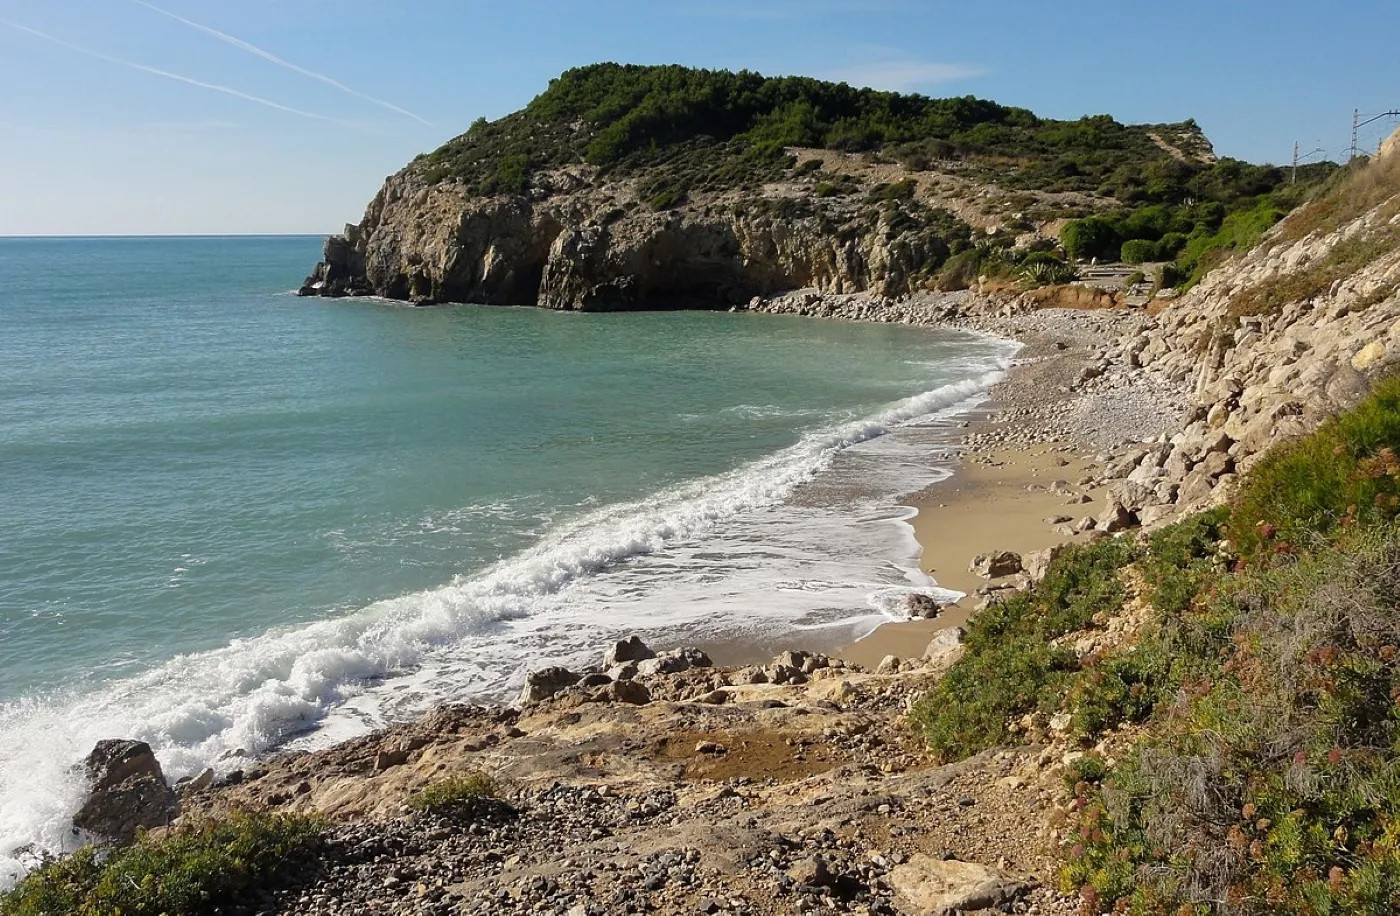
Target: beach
(1034,461)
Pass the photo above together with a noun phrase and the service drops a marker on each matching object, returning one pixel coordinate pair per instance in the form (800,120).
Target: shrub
(1274,786)
(191,870)
(1092,237)
(1342,476)
(1136,251)
(1010,666)
(456,792)
(960,271)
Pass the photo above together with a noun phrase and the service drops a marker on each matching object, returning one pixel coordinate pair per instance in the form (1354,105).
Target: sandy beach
(998,501)
(1030,456)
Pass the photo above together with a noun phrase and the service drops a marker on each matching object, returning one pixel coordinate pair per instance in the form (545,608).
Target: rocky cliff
(629,187)
(1286,336)
(596,247)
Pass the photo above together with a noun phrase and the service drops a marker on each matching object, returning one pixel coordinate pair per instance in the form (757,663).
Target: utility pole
(1299,156)
(1357,124)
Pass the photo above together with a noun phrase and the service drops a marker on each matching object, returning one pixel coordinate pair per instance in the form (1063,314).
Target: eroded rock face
(580,242)
(128,792)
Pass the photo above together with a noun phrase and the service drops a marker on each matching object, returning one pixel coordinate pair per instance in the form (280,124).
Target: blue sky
(90,144)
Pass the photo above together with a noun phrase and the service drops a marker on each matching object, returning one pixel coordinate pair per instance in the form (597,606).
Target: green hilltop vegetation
(684,133)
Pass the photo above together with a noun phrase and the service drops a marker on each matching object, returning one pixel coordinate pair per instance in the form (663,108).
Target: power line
(1357,123)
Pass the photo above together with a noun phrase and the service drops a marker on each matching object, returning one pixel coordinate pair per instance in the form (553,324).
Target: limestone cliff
(1277,341)
(628,187)
(580,243)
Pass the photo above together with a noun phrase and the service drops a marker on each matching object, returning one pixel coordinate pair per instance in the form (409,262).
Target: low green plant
(456,792)
(1273,785)
(193,869)
(1040,268)
(1011,666)
(1345,475)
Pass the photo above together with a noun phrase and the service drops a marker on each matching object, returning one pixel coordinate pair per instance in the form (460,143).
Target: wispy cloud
(904,75)
(179,78)
(286,64)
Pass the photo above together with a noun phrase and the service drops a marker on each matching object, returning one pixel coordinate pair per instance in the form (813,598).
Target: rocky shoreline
(681,786)
(662,783)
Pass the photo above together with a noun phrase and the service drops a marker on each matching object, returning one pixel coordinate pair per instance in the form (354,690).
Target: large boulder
(127,792)
(1037,564)
(996,565)
(674,662)
(942,887)
(631,649)
(545,683)
(945,648)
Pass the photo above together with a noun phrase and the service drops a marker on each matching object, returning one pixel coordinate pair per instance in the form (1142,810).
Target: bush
(1092,237)
(1136,251)
(1274,786)
(1010,666)
(1342,476)
(456,792)
(191,870)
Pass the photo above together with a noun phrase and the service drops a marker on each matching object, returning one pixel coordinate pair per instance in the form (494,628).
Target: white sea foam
(726,552)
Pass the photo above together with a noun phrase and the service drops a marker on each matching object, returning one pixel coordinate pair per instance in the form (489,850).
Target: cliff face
(576,243)
(624,187)
(1279,340)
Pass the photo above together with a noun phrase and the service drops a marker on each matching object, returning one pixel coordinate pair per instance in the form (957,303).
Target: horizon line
(167,235)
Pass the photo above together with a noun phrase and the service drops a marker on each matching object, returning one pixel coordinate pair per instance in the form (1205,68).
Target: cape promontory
(630,187)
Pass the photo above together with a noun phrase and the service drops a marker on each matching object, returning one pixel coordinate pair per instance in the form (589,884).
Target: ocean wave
(214,708)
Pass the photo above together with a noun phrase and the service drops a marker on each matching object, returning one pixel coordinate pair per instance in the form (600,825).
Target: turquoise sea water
(230,517)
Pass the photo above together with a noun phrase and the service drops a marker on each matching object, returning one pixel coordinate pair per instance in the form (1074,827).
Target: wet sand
(999,500)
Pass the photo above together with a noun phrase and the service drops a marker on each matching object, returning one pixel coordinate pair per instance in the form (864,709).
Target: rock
(941,888)
(633,693)
(201,782)
(790,659)
(812,872)
(996,565)
(1115,518)
(631,649)
(127,792)
(890,664)
(674,662)
(389,758)
(1369,356)
(1037,563)
(922,606)
(623,672)
(545,683)
(945,648)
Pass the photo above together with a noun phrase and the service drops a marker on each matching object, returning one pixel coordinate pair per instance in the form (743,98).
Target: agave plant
(1048,272)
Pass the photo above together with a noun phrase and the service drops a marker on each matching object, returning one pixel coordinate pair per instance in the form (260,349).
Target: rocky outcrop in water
(127,792)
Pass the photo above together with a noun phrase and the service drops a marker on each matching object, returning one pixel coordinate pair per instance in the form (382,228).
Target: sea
(234,521)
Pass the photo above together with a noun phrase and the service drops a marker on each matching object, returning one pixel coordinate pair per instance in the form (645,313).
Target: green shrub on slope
(1344,475)
(190,871)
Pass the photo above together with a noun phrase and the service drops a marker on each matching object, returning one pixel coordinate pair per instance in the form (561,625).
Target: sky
(129,117)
